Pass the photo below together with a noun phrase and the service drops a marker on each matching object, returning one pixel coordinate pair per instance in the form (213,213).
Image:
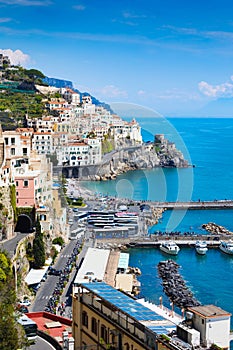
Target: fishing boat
(169,247)
(226,247)
(201,247)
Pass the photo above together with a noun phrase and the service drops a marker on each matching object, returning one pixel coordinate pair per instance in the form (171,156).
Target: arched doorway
(65,173)
(75,172)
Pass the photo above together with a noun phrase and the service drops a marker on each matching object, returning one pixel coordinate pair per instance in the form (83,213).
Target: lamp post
(161,302)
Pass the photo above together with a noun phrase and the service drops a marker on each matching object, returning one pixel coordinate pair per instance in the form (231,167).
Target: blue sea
(208,145)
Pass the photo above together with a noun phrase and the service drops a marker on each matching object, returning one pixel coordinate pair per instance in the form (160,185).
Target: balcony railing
(122,321)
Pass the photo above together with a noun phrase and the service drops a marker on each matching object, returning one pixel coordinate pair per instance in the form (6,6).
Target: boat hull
(226,251)
(201,251)
(167,251)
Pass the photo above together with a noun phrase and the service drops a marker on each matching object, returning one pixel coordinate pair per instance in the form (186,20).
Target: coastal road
(11,244)
(47,287)
(41,344)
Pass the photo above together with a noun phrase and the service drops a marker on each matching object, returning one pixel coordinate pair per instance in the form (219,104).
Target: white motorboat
(201,247)
(226,247)
(169,247)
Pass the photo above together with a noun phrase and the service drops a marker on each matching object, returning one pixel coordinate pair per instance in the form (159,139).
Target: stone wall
(6,214)
(160,153)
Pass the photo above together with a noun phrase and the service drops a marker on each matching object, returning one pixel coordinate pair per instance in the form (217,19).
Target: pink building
(25,191)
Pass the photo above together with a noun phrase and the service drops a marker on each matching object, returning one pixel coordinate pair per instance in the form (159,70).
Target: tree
(11,333)
(38,247)
(59,241)
(34,74)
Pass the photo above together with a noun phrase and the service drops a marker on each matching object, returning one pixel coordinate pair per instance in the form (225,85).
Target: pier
(216,204)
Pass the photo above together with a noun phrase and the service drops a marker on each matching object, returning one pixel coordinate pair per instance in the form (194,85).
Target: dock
(213,241)
(191,205)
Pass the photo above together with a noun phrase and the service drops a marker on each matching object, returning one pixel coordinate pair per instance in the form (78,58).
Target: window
(25,183)
(13,141)
(24,151)
(6,140)
(104,333)
(17,183)
(85,319)
(94,325)
(12,151)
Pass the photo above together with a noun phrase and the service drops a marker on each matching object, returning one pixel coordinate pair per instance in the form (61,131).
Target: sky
(175,57)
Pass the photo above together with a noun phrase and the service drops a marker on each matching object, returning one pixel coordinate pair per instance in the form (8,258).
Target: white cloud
(5,20)
(141,92)
(127,14)
(26,2)
(216,91)
(16,57)
(79,7)
(111,91)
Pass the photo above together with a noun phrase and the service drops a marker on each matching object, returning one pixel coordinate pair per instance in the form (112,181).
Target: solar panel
(123,302)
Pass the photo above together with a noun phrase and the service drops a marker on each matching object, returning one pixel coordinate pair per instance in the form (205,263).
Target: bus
(30,327)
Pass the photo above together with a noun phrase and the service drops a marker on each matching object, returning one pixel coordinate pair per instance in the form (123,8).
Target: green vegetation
(215,347)
(77,202)
(19,74)
(13,201)
(108,144)
(59,241)
(165,337)
(157,149)
(19,97)
(54,254)
(15,105)
(38,247)
(11,333)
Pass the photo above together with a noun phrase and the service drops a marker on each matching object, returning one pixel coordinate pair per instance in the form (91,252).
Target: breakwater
(216,204)
(174,286)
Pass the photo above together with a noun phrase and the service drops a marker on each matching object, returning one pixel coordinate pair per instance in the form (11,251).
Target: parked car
(55,272)
(44,278)
(25,302)
(35,287)
(23,309)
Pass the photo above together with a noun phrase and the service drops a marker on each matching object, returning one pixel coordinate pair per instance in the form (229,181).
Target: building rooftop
(89,270)
(131,307)
(209,311)
(51,324)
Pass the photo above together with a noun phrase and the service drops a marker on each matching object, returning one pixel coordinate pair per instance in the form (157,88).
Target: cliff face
(160,153)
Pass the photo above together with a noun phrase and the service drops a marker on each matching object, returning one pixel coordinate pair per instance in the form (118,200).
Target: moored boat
(226,247)
(201,247)
(169,247)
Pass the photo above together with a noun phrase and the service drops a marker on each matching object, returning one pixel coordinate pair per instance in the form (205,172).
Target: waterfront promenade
(216,204)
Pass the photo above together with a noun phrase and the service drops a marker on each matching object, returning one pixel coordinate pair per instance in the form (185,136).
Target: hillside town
(92,301)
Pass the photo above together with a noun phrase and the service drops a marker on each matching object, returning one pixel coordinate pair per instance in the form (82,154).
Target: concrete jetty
(216,204)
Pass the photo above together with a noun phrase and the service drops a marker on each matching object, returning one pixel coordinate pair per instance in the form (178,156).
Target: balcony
(121,322)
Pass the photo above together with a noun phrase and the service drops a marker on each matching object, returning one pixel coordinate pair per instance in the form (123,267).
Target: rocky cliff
(160,153)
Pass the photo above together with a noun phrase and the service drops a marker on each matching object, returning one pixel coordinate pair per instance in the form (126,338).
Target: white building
(76,153)
(213,323)
(95,150)
(70,96)
(42,142)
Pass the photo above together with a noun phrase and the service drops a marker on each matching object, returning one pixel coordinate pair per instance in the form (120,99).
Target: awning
(35,276)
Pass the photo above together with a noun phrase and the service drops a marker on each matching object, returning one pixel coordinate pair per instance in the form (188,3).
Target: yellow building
(105,318)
